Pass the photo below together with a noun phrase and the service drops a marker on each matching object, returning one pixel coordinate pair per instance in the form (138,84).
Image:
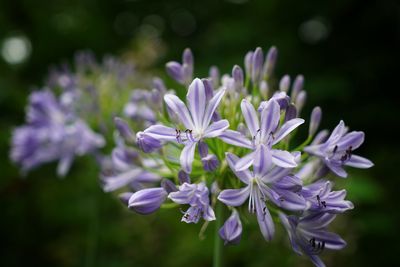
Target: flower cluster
(241,125)
(70,116)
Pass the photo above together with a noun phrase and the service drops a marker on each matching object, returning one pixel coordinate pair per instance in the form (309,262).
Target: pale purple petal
(244,175)
(187,156)
(287,128)
(250,117)
(180,110)
(262,161)
(147,200)
(245,162)
(264,219)
(234,197)
(359,162)
(196,99)
(216,129)
(235,138)
(270,117)
(336,169)
(283,159)
(212,106)
(231,231)
(174,70)
(353,139)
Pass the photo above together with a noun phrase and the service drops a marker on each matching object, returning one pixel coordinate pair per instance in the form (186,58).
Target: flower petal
(353,139)
(196,100)
(250,116)
(286,128)
(179,108)
(283,159)
(270,117)
(264,218)
(336,169)
(234,197)
(187,156)
(359,162)
(212,106)
(262,161)
(245,162)
(245,175)
(216,129)
(161,133)
(235,138)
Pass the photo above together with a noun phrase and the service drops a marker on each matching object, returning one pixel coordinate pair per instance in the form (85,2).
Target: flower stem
(217,261)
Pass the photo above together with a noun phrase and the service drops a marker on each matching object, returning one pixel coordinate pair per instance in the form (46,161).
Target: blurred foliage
(346,50)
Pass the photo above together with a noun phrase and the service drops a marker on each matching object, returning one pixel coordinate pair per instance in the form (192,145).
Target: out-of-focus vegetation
(345,49)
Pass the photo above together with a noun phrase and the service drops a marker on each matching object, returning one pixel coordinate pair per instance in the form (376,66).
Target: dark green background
(351,74)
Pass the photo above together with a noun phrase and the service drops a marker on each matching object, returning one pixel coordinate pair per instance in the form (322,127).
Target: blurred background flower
(345,50)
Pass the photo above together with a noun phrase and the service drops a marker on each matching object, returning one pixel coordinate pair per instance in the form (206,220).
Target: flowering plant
(230,146)
(242,129)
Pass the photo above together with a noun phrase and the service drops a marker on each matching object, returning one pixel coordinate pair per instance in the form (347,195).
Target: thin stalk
(217,261)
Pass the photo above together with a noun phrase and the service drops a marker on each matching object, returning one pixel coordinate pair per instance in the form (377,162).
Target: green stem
(217,261)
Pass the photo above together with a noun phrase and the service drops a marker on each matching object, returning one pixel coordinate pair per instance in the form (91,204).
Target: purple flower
(126,171)
(196,118)
(147,200)
(141,107)
(231,231)
(51,133)
(182,73)
(308,235)
(267,134)
(265,182)
(197,196)
(337,151)
(321,198)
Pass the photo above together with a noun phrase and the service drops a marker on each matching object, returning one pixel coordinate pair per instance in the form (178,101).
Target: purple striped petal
(245,162)
(161,133)
(179,108)
(250,117)
(212,106)
(287,128)
(231,231)
(245,176)
(234,197)
(353,140)
(187,157)
(262,161)
(196,99)
(235,138)
(359,162)
(283,159)
(147,200)
(264,219)
(216,129)
(270,117)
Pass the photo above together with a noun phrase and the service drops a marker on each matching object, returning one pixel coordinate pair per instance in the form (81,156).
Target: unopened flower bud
(147,200)
(284,83)
(270,62)
(297,86)
(315,120)
(124,130)
(257,65)
(147,143)
(231,231)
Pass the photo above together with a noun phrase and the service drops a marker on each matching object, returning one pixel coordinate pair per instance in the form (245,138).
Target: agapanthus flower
(267,134)
(337,151)
(52,133)
(231,231)
(195,118)
(197,196)
(262,184)
(277,179)
(321,198)
(308,235)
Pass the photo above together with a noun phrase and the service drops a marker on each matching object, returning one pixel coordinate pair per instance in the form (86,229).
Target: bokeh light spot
(16,49)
